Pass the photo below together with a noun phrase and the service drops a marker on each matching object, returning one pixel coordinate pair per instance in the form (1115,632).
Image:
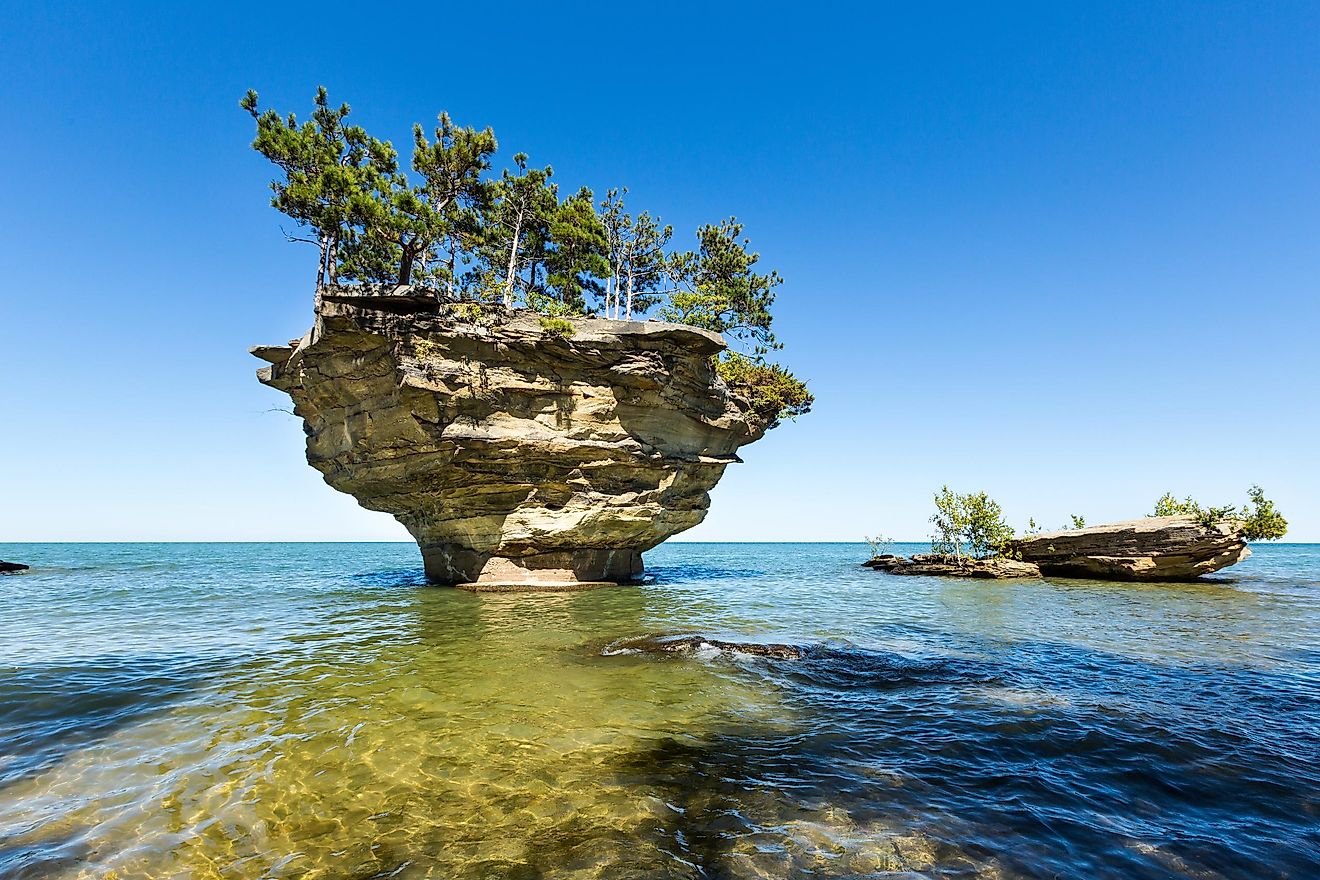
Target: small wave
(702,648)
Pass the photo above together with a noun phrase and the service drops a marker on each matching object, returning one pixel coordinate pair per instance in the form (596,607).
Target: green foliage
(515,229)
(1258,520)
(578,258)
(446,224)
(774,393)
(327,167)
(560,328)
(880,545)
(973,520)
(718,288)
(1262,522)
(469,312)
(347,187)
(1078,522)
(1168,505)
(451,228)
(638,266)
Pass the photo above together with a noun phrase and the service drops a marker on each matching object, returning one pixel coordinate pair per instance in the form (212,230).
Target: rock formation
(515,452)
(948,566)
(12,567)
(1153,548)
(690,646)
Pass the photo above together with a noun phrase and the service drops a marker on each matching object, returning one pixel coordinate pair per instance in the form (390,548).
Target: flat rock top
(1144,525)
(420,308)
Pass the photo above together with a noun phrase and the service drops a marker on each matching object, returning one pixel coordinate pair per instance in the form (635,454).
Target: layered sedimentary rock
(948,566)
(1153,548)
(516,451)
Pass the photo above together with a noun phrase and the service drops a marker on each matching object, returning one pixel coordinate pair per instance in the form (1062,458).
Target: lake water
(316,711)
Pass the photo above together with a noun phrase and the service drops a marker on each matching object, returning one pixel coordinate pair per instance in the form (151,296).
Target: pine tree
(451,168)
(515,228)
(576,255)
(718,289)
(326,166)
(645,266)
(614,219)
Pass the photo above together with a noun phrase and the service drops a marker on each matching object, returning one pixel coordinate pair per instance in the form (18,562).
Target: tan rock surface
(1152,548)
(948,566)
(511,455)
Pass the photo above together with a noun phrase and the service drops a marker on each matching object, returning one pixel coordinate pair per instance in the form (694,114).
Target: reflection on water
(253,711)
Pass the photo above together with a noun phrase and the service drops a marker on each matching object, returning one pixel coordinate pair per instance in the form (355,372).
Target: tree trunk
(453,267)
(405,267)
(513,263)
(630,296)
(320,263)
(332,262)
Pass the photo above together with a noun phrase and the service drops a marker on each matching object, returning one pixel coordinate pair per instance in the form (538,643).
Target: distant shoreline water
(671,541)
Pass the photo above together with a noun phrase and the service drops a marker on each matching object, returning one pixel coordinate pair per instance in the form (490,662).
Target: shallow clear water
(305,710)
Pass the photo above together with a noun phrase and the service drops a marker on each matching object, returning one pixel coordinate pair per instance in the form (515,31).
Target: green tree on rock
(718,288)
(575,255)
(1259,520)
(974,520)
(327,166)
(516,227)
(451,167)
(638,265)
(444,224)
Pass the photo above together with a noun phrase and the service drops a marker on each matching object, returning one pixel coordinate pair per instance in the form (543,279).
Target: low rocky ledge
(12,567)
(1151,549)
(518,455)
(1156,548)
(949,566)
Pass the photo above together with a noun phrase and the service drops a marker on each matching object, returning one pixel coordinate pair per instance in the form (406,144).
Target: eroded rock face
(1153,548)
(512,455)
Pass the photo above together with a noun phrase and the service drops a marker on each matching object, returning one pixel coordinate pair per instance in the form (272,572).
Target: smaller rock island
(1154,548)
(519,453)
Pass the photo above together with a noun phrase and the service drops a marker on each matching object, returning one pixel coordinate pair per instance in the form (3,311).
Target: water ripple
(315,711)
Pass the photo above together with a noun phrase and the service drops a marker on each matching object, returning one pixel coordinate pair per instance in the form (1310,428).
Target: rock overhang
(513,452)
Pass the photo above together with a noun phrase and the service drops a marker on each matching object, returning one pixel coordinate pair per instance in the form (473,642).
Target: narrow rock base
(559,587)
(560,570)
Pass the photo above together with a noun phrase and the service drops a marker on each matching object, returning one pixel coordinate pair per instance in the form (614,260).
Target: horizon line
(368,541)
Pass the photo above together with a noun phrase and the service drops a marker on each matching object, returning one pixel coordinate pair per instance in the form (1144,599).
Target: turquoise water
(315,710)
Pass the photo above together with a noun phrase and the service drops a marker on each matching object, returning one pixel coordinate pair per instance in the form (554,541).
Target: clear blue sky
(1069,255)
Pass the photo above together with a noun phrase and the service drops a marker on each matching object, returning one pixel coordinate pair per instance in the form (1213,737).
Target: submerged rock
(949,566)
(1153,548)
(516,455)
(691,645)
(12,567)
